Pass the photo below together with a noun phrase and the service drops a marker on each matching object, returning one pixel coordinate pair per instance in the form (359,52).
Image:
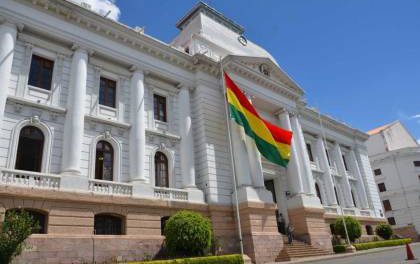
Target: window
(30,149)
(332,229)
(345,163)
(161,170)
(416,163)
(309,149)
(369,230)
(41,72)
(336,195)
(328,157)
(318,192)
(391,221)
(162,224)
(107,224)
(104,164)
(381,187)
(377,172)
(38,217)
(387,205)
(159,107)
(107,92)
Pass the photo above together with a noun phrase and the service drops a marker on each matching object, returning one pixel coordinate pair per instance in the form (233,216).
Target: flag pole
(232,160)
(324,139)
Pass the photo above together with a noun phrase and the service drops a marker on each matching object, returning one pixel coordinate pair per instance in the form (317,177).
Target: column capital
(136,70)
(77,47)
(183,86)
(4,21)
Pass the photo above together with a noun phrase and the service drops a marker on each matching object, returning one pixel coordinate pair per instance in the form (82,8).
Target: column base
(310,226)
(142,189)
(195,195)
(303,200)
(253,194)
(73,181)
(261,239)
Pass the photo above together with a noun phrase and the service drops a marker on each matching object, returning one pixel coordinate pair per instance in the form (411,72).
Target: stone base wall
(407,231)
(261,239)
(310,226)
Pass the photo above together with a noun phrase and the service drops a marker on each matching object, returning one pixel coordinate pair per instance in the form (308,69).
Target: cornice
(121,33)
(330,123)
(398,153)
(249,73)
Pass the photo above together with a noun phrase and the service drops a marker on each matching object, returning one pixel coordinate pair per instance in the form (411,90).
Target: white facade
(395,159)
(85,47)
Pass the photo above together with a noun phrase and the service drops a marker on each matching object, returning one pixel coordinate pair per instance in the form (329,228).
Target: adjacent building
(395,159)
(107,131)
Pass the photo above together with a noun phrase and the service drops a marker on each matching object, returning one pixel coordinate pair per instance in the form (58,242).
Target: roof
(380,129)
(203,7)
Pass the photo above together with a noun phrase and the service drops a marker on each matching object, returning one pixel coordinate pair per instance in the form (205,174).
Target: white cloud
(102,7)
(415,116)
(418,141)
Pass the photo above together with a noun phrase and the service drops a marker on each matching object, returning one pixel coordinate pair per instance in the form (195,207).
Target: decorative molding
(19,102)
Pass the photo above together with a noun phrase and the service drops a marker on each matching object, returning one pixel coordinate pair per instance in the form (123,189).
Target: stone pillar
(307,178)
(356,171)
(293,170)
(323,162)
(338,158)
(137,132)
(8,34)
(187,143)
(74,123)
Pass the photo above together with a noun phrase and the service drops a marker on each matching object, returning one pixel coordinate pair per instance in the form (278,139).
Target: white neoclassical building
(106,131)
(395,157)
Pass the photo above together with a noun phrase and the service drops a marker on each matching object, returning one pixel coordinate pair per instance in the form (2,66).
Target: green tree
(384,230)
(188,234)
(354,228)
(17,226)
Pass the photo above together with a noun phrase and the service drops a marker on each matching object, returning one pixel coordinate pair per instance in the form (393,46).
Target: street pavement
(392,255)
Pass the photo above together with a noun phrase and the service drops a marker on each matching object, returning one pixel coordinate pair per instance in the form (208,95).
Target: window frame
(377,172)
(309,150)
(167,177)
(393,222)
(387,205)
(156,116)
(43,57)
(122,227)
(104,143)
(380,185)
(108,80)
(19,160)
(416,163)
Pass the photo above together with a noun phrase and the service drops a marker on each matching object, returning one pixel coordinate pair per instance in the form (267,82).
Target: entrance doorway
(281,223)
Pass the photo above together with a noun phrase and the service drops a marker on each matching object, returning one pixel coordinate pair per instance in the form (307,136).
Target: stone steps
(299,250)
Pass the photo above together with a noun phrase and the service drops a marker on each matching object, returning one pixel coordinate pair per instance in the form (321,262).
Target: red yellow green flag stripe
(272,141)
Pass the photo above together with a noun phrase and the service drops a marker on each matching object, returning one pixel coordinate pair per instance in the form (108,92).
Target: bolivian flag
(272,141)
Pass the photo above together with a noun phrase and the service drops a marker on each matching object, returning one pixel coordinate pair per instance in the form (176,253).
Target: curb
(344,255)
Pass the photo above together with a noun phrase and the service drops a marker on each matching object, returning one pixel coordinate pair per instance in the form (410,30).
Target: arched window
(104,164)
(369,230)
(30,149)
(336,195)
(39,218)
(108,224)
(318,192)
(161,170)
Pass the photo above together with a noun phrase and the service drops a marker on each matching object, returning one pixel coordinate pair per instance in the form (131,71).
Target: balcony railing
(170,194)
(109,187)
(349,211)
(365,212)
(331,209)
(30,179)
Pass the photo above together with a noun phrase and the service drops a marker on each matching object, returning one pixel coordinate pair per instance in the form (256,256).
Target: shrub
(226,259)
(384,231)
(188,234)
(17,226)
(354,228)
(384,243)
(339,248)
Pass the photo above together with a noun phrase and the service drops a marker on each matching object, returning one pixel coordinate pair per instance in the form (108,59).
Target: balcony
(331,209)
(110,188)
(170,194)
(30,179)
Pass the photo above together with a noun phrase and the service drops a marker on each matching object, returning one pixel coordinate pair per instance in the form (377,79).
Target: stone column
(294,171)
(137,132)
(307,178)
(74,122)
(323,160)
(8,34)
(356,171)
(187,143)
(338,158)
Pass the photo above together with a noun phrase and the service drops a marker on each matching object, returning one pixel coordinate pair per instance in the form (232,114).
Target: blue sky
(357,60)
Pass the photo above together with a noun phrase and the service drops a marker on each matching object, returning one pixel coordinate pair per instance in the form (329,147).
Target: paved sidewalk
(388,255)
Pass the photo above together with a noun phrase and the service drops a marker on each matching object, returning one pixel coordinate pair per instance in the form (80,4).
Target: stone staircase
(299,250)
